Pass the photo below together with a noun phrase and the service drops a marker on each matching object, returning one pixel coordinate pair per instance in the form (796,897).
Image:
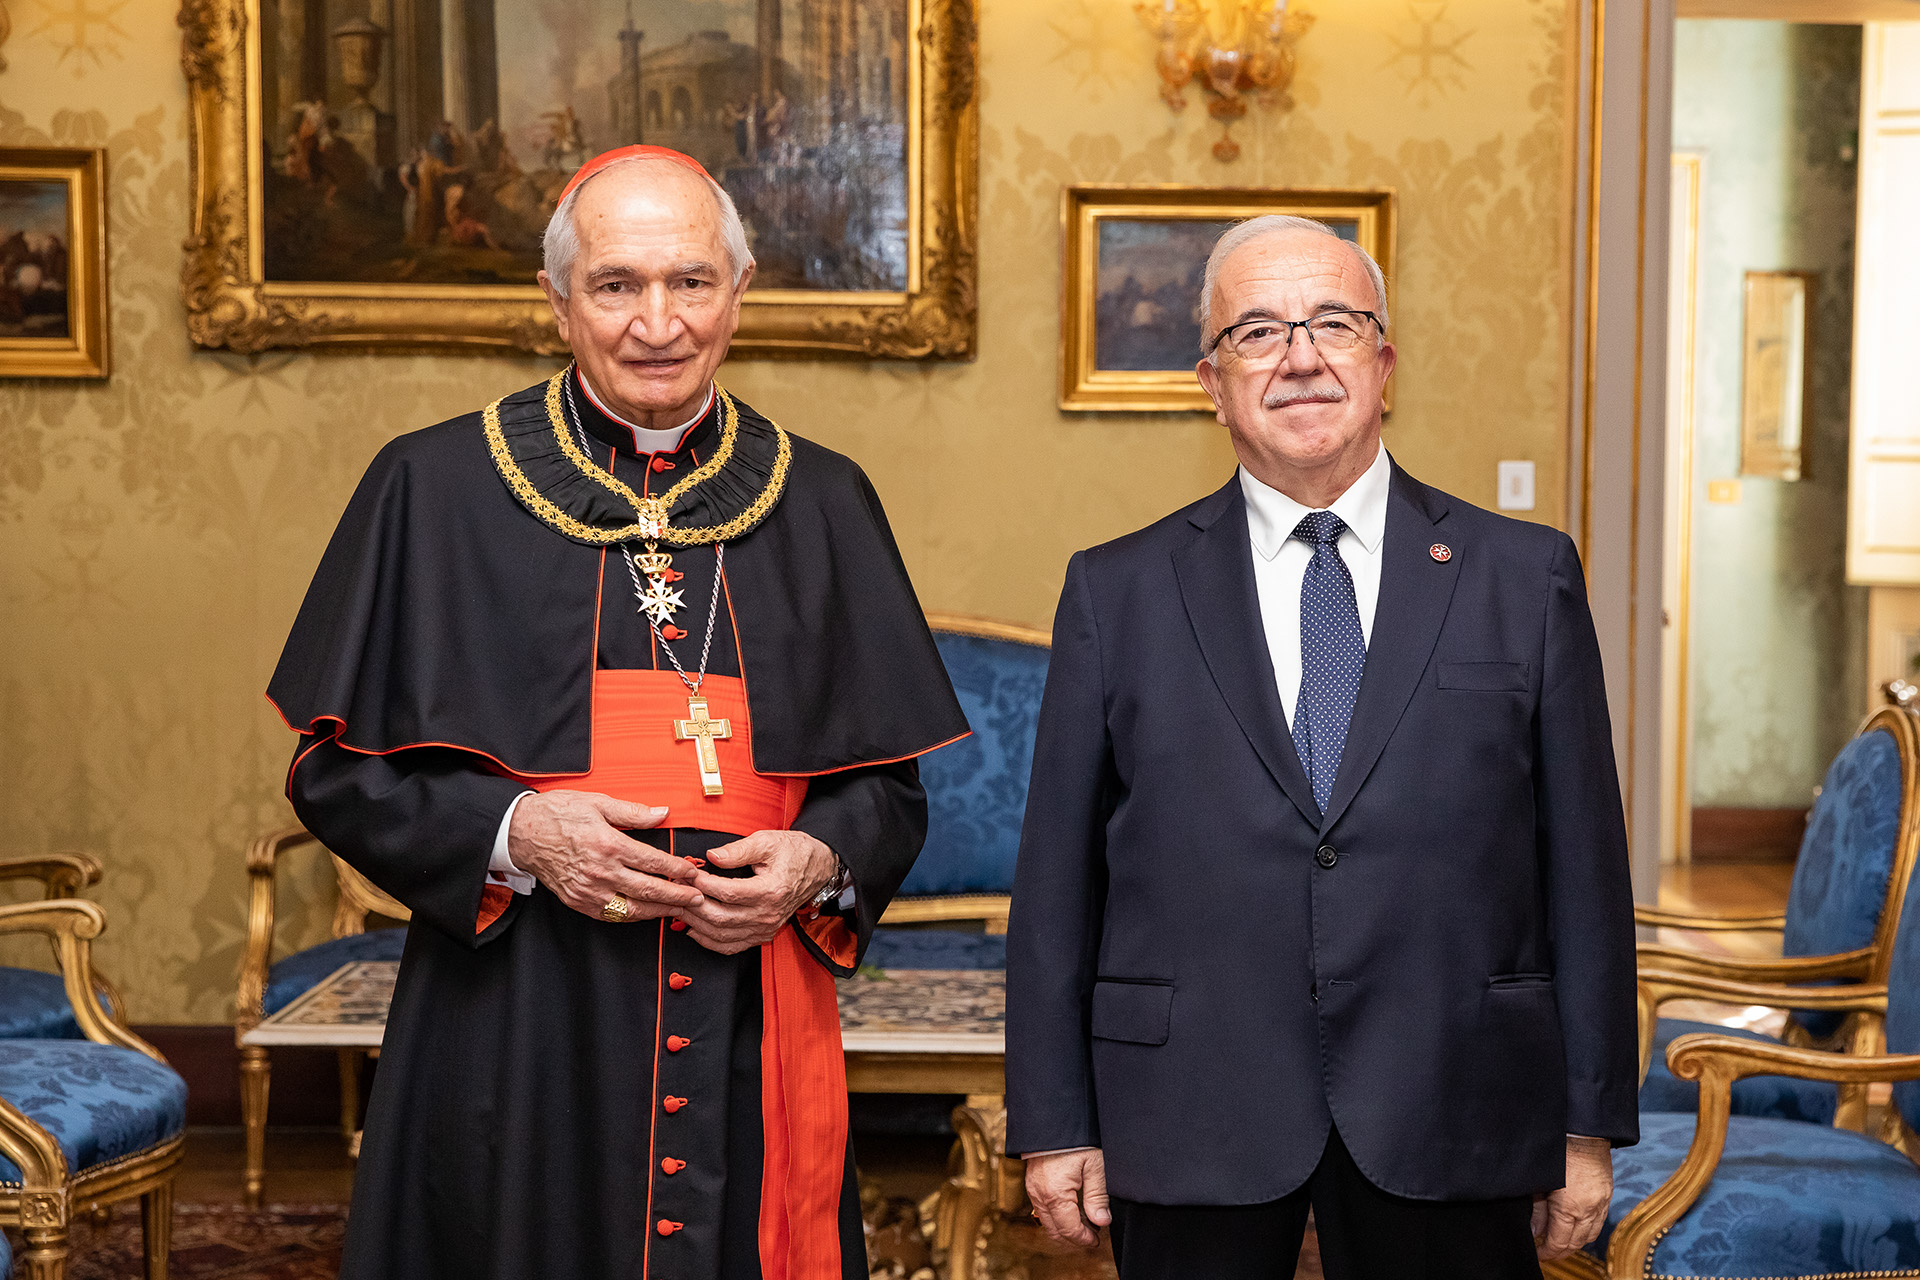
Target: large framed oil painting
(1133,261)
(378,173)
(53,262)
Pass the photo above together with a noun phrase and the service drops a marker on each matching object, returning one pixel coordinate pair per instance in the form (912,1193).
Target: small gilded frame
(1775,392)
(1132,261)
(379,178)
(53,262)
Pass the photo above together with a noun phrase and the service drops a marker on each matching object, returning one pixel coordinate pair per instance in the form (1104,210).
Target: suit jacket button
(1326,855)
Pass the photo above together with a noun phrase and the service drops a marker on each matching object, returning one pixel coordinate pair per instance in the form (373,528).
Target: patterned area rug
(219,1242)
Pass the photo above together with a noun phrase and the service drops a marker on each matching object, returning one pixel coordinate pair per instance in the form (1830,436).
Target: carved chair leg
(45,1257)
(349,1093)
(156,1224)
(255,1070)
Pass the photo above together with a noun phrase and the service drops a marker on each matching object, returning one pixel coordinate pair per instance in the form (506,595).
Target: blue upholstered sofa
(268,985)
(951,912)
(33,1004)
(1848,886)
(1712,1195)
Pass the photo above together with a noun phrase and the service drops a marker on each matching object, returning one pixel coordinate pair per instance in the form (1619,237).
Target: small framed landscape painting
(53,262)
(1134,258)
(1774,393)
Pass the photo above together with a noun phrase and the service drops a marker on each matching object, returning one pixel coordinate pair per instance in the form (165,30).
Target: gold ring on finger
(617,910)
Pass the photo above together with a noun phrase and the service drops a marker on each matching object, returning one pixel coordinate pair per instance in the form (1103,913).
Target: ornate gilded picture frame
(375,174)
(53,262)
(1132,262)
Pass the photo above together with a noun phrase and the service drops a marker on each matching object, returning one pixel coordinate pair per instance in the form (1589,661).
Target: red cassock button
(673,1104)
(670,1166)
(661,464)
(672,632)
(666,1228)
(679,981)
(676,1043)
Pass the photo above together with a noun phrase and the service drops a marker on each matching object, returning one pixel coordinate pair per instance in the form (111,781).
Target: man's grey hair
(561,245)
(1252,229)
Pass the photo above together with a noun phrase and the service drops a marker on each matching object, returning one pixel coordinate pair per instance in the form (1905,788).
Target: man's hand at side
(573,842)
(789,870)
(1569,1219)
(1069,1194)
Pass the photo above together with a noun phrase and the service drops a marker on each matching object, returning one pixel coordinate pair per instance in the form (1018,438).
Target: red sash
(803,1070)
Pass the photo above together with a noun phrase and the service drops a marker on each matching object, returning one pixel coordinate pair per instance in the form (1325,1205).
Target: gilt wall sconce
(1235,49)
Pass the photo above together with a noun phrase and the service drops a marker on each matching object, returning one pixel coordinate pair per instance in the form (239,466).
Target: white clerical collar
(1272,515)
(646,440)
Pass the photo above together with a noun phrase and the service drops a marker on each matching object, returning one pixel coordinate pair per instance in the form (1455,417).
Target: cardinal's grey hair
(561,244)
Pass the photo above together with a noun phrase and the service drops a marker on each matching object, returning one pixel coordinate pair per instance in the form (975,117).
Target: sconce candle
(1234,48)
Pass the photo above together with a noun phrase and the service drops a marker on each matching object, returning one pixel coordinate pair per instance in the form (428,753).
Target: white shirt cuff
(1057,1151)
(500,868)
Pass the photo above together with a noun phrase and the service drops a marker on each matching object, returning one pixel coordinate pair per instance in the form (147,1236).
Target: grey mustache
(1301,395)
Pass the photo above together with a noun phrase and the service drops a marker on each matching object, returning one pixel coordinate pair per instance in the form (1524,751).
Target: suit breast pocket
(1485,677)
(1137,1012)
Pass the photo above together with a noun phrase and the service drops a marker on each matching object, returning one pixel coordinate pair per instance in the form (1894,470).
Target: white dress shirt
(500,868)
(1280,562)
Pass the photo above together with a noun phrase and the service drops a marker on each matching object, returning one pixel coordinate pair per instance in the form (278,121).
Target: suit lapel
(1215,572)
(1415,590)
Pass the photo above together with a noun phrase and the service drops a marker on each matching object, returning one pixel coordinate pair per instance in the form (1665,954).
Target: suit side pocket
(1137,1012)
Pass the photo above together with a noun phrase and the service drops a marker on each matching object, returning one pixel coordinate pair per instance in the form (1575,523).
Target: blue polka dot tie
(1333,651)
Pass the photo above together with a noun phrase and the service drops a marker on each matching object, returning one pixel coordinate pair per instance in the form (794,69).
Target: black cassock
(520,1124)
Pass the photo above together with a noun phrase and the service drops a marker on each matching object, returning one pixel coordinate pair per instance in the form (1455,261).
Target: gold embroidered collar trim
(551,448)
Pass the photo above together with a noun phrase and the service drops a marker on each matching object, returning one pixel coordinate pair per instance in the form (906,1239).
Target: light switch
(1723,493)
(1516,486)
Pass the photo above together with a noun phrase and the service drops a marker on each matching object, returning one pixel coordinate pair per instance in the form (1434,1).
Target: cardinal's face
(651,302)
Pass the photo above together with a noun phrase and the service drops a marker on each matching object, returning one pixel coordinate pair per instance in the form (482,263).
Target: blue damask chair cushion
(99,1101)
(304,970)
(894,948)
(1840,880)
(1787,1200)
(977,788)
(1781,1097)
(1903,1008)
(33,1006)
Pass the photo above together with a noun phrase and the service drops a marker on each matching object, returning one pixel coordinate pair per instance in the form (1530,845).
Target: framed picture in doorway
(1133,260)
(1774,394)
(53,262)
(379,173)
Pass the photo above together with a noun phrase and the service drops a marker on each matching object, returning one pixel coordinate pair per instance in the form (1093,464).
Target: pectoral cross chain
(701,729)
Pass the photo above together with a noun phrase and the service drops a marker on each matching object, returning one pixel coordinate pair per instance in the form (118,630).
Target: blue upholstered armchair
(976,799)
(1848,886)
(1715,1194)
(88,1122)
(267,986)
(33,1005)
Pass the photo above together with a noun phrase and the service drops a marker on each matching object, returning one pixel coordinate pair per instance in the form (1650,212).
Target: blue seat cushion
(1781,1097)
(894,948)
(304,970)
(1846,857)
(1787,1200)
(99,1101)
(977,787)
(33,1006)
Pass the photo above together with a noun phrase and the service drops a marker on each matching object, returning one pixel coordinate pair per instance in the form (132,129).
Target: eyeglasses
(1257,341)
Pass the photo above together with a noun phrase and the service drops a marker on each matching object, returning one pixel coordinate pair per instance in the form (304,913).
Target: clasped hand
(575,843)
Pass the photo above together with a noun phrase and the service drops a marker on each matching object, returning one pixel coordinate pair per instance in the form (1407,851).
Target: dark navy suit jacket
(1205,971)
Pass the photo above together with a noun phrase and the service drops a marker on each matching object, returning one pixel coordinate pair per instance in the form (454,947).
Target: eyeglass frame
(1214,346)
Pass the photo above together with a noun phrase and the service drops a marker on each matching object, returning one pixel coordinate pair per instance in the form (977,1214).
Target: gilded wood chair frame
(1717,1063)
(357,898)
(65,875)
(991,909)
(49,1196)
(1682,974)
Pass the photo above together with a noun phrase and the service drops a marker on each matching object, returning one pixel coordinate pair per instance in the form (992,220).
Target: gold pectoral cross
(700,729)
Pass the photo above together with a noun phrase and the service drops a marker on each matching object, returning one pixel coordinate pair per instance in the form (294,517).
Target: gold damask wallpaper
(157,531)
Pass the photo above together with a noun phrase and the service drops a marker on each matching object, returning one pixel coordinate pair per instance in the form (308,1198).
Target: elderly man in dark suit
(1323,895)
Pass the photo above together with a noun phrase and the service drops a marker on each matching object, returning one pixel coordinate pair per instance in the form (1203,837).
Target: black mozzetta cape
(446,611)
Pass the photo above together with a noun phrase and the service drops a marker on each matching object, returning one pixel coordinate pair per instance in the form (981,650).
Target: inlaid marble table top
(919,1011)
(925,1011)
